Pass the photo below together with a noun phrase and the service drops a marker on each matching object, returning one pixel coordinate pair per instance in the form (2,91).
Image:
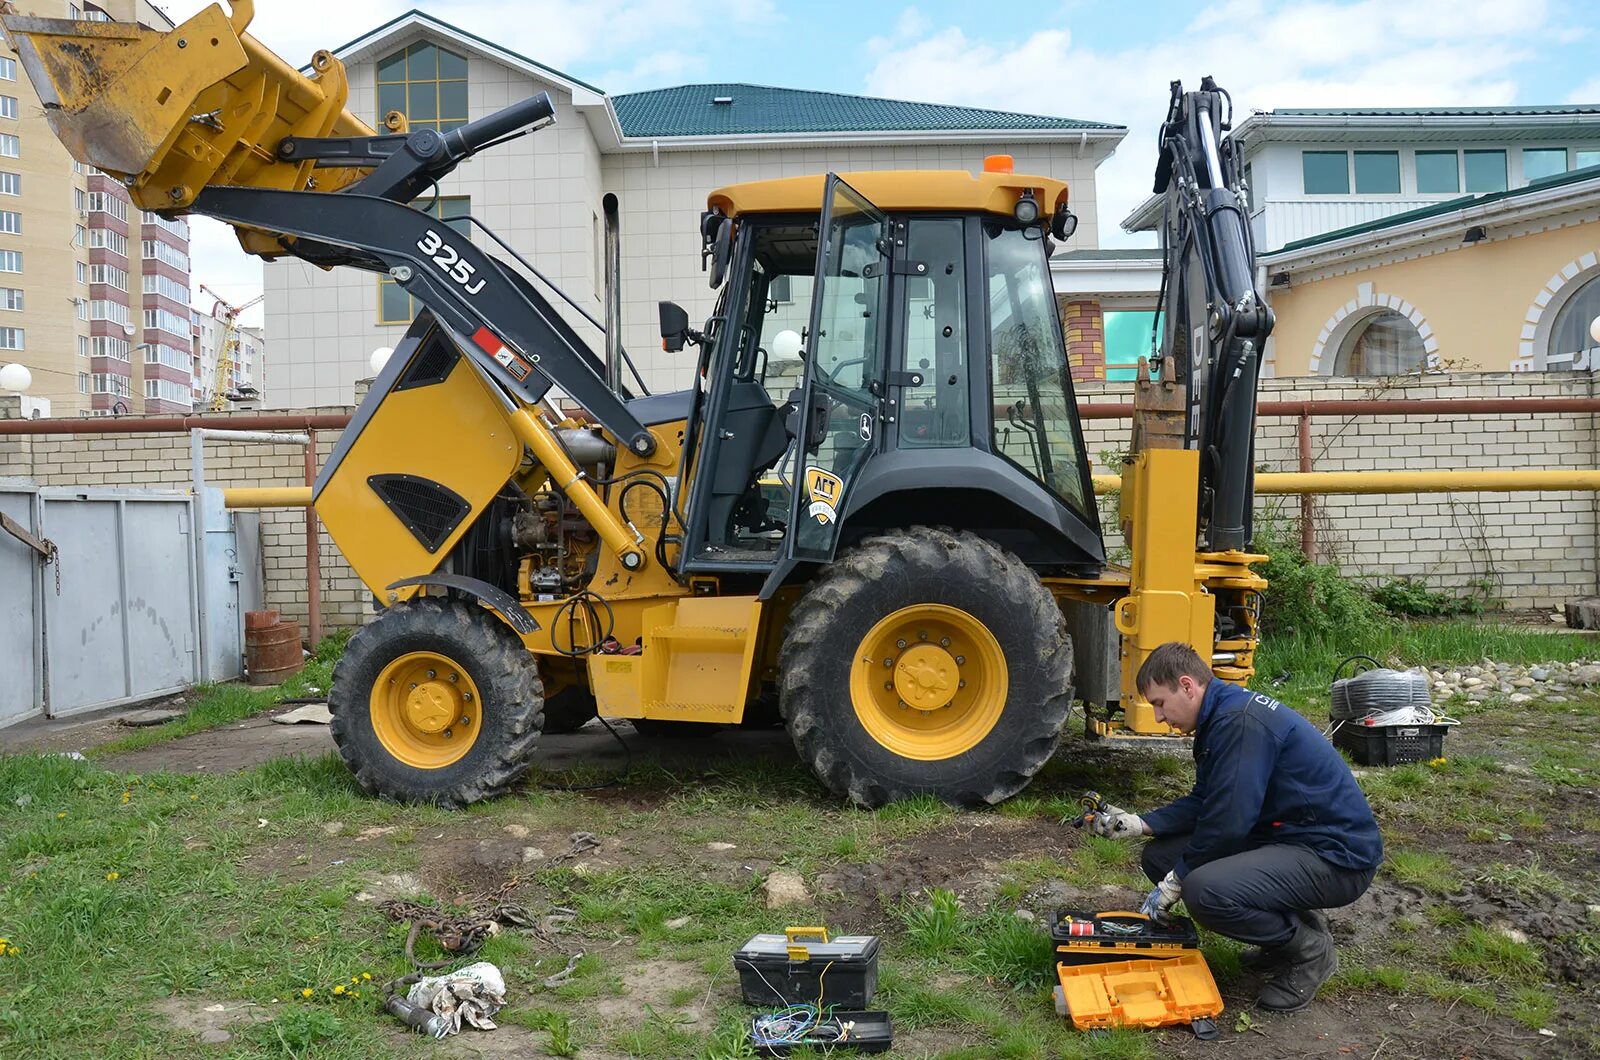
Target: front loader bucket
(171,112)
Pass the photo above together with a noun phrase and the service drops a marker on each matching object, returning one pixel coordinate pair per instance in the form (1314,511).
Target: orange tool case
(1119,969)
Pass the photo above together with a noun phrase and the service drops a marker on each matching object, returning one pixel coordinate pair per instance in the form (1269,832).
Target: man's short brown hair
(1169,662)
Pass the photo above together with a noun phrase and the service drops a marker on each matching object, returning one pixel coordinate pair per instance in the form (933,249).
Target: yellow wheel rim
(426,710)
(929,682)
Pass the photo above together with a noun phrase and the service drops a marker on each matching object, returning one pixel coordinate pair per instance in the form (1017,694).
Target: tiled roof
(1435,112)
(1439,209)
(694,110)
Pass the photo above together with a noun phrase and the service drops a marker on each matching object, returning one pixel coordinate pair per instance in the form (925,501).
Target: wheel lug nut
(431,675)
(888,686)
(922,635)
(413,686)
(961,684)
(447,734)
(961,660)
(467,696)
(465,720)
(888,662)
(900,644)
(944,642)
(453,678)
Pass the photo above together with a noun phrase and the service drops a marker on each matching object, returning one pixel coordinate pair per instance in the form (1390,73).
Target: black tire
(569,710)
(907,568)
(505,674)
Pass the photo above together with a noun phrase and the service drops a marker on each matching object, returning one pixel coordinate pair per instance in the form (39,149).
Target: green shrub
(1306,598)
(1412,597)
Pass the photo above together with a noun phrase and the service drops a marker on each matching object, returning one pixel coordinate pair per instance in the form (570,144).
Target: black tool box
(804,967)
(1082,937)
(867,1032)
(1389,745)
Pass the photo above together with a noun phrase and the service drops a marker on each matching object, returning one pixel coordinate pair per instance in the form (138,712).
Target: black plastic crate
(1083,937)
(872,1032)
(794,969)
(1390,745)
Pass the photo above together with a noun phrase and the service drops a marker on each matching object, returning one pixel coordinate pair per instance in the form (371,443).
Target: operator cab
(870,367)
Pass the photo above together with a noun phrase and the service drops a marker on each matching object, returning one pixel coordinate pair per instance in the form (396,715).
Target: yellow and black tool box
(1089,938)
(1121,969)
(804,967)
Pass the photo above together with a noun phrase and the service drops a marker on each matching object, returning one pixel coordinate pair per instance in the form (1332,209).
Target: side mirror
(1064,223)
(674,326)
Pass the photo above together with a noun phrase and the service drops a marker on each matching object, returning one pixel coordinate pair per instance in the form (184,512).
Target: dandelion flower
(113,876)
(13,951)
(339,989)
(366,977)
(60,815)
(307,992)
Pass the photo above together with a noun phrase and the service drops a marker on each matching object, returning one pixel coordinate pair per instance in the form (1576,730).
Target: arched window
(1385,343)
(1570,345)
(425,83)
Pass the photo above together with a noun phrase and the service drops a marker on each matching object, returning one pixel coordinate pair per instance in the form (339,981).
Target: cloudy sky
(1098,61)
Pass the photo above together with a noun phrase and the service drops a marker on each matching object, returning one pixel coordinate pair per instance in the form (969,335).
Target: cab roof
(895,190)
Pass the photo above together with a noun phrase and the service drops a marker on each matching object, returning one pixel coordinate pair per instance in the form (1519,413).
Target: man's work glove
(1163,898)
(1116,824)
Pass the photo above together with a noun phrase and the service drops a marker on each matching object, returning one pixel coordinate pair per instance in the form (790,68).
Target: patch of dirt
(651,983)
(213,1022)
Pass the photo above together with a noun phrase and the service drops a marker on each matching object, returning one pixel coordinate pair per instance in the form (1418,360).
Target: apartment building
(94,294)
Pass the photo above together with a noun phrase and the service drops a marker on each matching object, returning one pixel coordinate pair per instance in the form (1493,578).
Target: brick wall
(162,461)
(1085,328)
(1527,549)
(1532,549)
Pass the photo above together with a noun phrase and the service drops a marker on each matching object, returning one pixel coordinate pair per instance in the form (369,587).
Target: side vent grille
(430,511)
(431,364)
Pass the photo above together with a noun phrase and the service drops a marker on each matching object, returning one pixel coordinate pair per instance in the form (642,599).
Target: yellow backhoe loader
(889,553)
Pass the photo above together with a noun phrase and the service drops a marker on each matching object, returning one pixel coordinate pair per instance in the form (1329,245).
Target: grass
(1431,872)
(1311,661)
(223,704)
(208,903)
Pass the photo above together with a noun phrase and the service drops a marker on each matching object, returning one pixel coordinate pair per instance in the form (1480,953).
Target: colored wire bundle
(799,1025)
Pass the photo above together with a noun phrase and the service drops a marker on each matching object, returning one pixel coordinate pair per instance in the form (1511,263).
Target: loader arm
(205,119)
(1216,320)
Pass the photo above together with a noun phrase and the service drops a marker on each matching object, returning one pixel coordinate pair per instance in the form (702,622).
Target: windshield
(1035,420)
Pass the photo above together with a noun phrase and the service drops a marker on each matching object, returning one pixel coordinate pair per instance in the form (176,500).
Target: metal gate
(130,607)
(21,643)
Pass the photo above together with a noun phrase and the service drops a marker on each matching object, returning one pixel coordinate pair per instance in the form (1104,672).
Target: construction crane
(228,313)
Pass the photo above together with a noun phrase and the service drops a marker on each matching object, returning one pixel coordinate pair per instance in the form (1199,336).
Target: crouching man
(1274,830)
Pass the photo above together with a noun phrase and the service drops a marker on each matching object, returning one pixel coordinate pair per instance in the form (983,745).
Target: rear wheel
(436,701)
(926,662)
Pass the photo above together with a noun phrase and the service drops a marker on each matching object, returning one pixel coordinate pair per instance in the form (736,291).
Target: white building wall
(542,194)
(660,202)
(535,192)
(1281,211)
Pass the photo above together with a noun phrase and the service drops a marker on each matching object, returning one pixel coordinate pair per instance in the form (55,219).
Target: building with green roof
(660,152)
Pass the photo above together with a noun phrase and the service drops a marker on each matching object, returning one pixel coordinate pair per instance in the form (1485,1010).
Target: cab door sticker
(825,490)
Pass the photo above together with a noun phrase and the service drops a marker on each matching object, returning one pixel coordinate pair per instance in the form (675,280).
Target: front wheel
(926,662)
(436,701)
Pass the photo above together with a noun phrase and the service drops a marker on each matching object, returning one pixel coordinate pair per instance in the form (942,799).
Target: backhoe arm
(1216,320)
(205,119)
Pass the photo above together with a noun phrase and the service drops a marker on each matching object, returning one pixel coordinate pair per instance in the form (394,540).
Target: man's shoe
(1264,960)
(1311,961)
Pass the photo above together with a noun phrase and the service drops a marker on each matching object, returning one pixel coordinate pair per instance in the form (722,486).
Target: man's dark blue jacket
(1264,774)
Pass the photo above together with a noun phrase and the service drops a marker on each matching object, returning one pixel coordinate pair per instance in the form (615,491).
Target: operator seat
(752,437)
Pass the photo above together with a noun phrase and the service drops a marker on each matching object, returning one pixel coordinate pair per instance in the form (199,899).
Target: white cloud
(1588,92)
(1433,53)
